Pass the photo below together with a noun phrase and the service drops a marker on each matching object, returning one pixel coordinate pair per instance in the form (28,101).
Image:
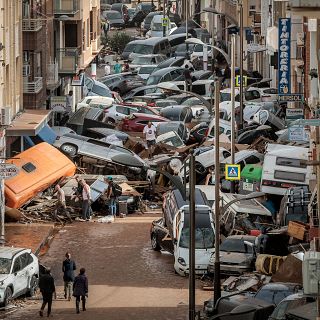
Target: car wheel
(69,149)
(200,169)
(110,121)
(154,243)
(7,297)
(33,286)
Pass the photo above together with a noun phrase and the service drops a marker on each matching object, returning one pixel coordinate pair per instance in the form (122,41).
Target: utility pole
(192,210)
(233,75)
(216,283)
(241,65)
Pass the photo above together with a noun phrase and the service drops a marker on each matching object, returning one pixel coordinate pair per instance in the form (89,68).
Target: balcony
(66,7)
(32,87)
(68,60)
(52,74)
(31,25)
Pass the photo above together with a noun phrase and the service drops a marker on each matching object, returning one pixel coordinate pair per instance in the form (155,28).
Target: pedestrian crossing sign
(238,81)
(233,171)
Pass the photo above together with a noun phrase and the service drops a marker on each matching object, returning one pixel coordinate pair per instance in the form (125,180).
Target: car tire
(33,286)
(154,243)
(200,169)
(110,121)
(7,297)
(69,149)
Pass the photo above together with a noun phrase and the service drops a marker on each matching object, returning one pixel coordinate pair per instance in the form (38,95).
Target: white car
(224,127)
(19,273)
(146,60)
(95,100)
(145,71)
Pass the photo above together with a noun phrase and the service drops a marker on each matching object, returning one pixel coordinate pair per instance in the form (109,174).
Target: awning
(28,123)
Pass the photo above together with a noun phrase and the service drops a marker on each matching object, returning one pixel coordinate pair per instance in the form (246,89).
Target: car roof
(149,55)
(165,70)
(242,237)
(200,198)
(154,13)
(10,252)
(119,4)
(167,63)
(110,11)
(150,116)
(280,286)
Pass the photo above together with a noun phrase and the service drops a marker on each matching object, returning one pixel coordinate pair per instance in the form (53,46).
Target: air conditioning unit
(26,70)
(5,116)
(300,39)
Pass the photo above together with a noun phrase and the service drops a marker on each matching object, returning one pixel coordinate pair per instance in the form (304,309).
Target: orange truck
(39,168)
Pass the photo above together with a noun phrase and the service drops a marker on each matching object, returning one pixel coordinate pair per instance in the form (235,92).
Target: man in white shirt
(86,200)
(149,134)
(107,69)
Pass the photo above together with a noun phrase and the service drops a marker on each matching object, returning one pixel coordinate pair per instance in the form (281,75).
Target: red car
(137,121)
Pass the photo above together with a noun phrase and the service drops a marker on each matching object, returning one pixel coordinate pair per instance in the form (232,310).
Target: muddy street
(127,279)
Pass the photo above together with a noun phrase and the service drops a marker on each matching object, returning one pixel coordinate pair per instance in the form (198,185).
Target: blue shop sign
(284,80)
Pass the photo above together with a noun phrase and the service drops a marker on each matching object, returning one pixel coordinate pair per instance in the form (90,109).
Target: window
(5,265)
(252,160)
(252,95)
(29,167)
(271,91)
(235,245)
(289,176)
(166,77)
(17,265)
(122,110)
(25,260)
(287,162)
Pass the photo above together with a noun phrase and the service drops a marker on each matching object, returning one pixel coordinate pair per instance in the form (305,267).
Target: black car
(182,29)
(122,83)
(158,235)
(115,19)
(140,91)
(249,136)
(171,62)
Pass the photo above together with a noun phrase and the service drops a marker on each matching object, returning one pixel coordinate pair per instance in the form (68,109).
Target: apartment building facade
(11,56)
(77,35)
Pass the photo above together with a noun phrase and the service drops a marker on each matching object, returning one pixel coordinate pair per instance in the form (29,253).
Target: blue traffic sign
(232,171)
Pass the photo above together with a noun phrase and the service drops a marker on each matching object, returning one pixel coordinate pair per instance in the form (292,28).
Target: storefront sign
(284,65)
(294,97)
(297,133)
(58,103)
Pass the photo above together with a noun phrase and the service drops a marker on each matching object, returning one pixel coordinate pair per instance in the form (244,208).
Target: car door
(163,236)
(20,277)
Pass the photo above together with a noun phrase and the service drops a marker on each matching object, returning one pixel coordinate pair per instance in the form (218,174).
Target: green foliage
(118,41)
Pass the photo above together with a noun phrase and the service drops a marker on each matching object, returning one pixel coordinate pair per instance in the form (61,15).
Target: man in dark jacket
(47,289)
(80,289)
(68,267)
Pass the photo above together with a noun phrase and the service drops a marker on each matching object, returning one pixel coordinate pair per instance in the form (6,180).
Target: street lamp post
(241,65)
(216,283)
(192,210)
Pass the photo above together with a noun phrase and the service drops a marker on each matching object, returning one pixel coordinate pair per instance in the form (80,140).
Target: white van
(283,168)
(177,221)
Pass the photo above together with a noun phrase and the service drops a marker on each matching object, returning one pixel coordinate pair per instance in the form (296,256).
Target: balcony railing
(32,25)
(68,60)
(52,74)
(32,86)
(67,7)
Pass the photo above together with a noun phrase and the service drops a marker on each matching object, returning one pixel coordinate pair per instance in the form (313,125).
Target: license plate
(247,186)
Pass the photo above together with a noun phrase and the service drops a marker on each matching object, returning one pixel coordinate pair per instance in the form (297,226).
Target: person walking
(107,69)
(68,267)
(188,78)
(149,134)
(61,203)
(47,289)
(69,103)
(117,67)
(111,197)
(86,200)
(227,77)
(80,289)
